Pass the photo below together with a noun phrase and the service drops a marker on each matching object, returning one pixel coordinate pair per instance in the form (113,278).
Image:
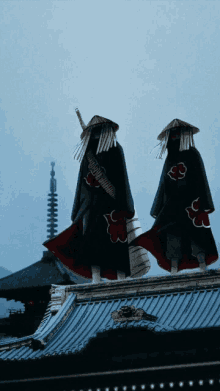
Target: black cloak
(97,236)
(181,207)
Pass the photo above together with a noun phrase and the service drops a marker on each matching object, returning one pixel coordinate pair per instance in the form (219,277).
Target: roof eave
(146,285)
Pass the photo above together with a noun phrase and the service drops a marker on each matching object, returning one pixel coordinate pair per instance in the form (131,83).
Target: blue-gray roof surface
(75,324)
(6,340)
(45,272)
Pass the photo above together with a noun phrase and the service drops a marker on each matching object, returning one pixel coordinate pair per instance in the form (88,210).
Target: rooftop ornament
(130,313)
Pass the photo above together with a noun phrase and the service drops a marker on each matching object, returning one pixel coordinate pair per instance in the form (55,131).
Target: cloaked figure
(96,244)
(181,237)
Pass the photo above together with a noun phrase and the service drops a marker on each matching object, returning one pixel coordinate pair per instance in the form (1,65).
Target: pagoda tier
(52,204)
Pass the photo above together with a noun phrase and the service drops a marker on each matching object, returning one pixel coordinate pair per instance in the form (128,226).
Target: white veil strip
(107,140)
(186,141)
(80,151)
(103,141)
(163,145)
(100,142)
(112,140)
(192,140)
(87,138)
(77,147)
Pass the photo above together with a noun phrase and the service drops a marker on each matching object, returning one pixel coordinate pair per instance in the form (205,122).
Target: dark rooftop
(170,304)
(49,270)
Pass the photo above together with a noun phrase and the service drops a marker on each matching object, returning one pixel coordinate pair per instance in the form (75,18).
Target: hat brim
(97,126)
(186,131)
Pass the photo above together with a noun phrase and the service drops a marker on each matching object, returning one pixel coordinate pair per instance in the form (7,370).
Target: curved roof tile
(75,324)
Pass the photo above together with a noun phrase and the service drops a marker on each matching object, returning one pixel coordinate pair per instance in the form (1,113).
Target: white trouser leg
(174,266)
(95,274)
(201,259)
(120,275)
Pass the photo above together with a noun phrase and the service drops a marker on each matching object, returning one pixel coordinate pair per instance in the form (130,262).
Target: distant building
(31,285)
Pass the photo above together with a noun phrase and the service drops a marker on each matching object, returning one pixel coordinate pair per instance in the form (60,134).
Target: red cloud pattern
(177,172)
(116,227)
(91,181)
(199,217)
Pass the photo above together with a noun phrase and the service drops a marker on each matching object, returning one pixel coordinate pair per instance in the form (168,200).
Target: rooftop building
(155,332)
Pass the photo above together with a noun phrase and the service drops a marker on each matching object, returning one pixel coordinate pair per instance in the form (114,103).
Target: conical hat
(177,123)
(98,121)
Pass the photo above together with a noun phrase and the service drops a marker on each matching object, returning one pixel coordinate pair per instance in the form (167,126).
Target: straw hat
(175,124)
(95,123)
(99,127)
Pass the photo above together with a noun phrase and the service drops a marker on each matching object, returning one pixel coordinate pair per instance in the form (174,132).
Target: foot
(174,270)
(203,267)
(96,278)
(202,264)
(120,275)
(174,266)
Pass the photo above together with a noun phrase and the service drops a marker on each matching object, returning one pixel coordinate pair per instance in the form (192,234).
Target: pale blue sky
(138,63)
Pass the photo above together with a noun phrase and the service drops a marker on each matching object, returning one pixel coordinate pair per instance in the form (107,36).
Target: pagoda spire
(52,204)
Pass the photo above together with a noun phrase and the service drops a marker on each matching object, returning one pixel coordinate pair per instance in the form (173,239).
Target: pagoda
(31,285)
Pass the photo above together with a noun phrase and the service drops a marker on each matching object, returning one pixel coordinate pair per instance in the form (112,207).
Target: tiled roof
(45,272)
(7,340)
(79,321)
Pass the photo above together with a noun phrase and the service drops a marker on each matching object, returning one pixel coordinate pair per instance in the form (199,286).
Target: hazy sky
(138,63)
